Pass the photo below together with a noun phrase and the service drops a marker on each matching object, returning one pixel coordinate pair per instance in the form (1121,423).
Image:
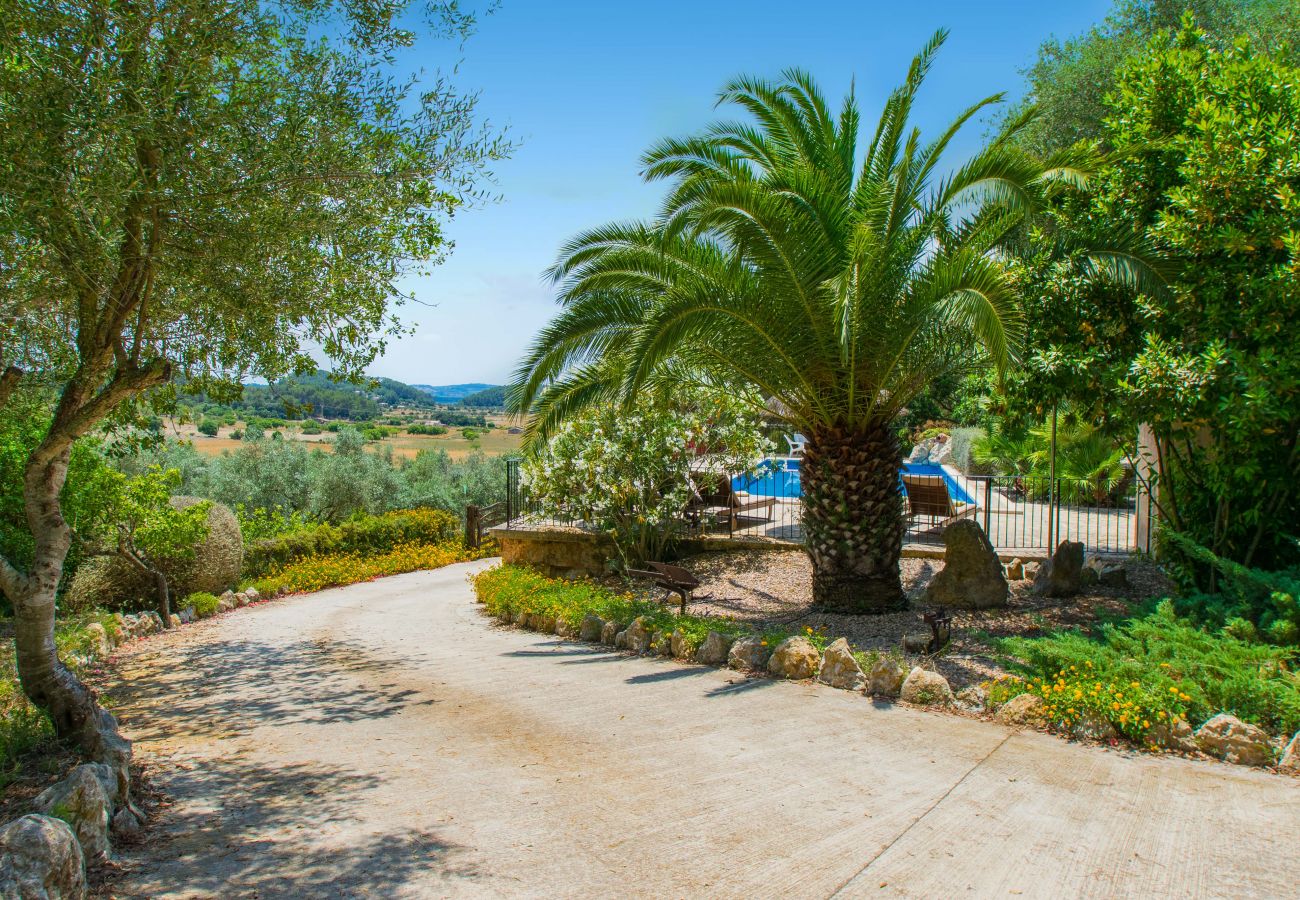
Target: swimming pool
(780,478)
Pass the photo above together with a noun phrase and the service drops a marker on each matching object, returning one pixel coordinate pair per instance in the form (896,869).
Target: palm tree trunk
(853,518)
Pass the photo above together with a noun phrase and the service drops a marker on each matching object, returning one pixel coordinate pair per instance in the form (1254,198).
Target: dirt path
(385,740)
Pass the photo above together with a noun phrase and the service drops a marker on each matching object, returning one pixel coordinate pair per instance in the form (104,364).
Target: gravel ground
(766,587)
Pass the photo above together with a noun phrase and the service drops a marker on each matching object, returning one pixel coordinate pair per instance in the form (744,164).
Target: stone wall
(558,552)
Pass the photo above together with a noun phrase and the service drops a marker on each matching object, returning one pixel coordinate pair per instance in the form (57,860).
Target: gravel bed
(775,587)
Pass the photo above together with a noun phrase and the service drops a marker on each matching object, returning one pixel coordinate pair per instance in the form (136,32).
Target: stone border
(1223,737)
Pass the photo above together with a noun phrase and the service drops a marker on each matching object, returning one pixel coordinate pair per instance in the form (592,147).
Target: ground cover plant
(314,573)
(1156,668)
(508,590)
(357,537)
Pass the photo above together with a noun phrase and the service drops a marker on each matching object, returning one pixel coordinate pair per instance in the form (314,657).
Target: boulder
(226,602)
(241,600)
(662,643)
(1061,576)
(839,669)
(1016,570)
(972,576)
(941,452)
(973,698)
(83,801)
(886,677)
(215,565)
(1175,735)
(564,630)
(795,657)
(188,615)
(1031,570)
(620,640)
(1088,577)
(591,628)
(1235,741)
(926,688)
(1092,727)
(174,620)
(543,623)
(1022,709)
(1113,575)
(608,632)
(252,594)
(126,824)
(40,858)
(100,645)
(638,636)
(1290,761)
(681,646)
(714,650)
(920,453)
(749,653)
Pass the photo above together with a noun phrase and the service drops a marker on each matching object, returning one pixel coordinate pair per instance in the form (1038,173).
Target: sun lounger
(927,495)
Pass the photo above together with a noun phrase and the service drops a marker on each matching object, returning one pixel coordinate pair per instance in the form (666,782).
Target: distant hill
(452,393)
(319,395)
(492,398)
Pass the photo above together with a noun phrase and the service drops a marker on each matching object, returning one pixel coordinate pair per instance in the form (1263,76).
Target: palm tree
(837,283)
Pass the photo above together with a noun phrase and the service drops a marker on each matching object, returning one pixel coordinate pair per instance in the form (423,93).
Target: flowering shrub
(332,569)
(365,534)
(1160,666)
(633,473)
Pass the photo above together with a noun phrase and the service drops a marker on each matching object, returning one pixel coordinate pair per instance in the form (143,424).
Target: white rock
(1290,761)
(638,636)
(973,698)
(252,594)
(1022,709)
(1235,741)
(839,669)
(82,801)
(714,650)
(592,626)
(40,858)
(749,653)
(926,688)
(1177,735)
(795,657)
(886,677)
(609,631)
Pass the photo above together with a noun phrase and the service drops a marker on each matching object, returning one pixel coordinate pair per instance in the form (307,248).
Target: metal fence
(1019,513)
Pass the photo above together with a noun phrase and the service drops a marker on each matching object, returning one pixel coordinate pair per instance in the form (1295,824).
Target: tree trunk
(853,519)
(48,683)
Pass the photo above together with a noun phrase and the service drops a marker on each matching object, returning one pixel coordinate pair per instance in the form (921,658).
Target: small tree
(633,472)
(209,190)
(140,525)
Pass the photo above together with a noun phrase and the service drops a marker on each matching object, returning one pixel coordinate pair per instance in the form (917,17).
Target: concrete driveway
(386,740)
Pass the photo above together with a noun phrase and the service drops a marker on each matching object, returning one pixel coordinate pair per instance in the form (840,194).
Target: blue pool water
(780,478)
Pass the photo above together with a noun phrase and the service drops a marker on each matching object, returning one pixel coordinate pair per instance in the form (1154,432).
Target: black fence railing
(1019,513)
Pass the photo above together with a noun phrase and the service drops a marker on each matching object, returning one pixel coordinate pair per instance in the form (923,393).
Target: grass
(494,441)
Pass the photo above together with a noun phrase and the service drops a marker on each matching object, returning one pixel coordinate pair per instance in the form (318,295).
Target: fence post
(472,519)
(988,498)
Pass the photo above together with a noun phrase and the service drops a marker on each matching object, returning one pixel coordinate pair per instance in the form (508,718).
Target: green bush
(204,604)
(210,427)
(376,534)
(1170,665)
(426,429)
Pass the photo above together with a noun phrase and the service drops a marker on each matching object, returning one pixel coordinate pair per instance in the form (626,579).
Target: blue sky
(586,87)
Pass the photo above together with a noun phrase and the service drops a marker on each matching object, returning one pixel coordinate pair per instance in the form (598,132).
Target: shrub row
(512,589)
(363,535)
(1159,666)
(333,569)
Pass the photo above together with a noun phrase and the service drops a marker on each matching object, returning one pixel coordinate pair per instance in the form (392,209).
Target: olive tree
(195,192)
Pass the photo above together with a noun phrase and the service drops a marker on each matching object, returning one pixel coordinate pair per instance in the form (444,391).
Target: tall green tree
(1069,80)
(206,190)
(836,282)
(1208,170)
